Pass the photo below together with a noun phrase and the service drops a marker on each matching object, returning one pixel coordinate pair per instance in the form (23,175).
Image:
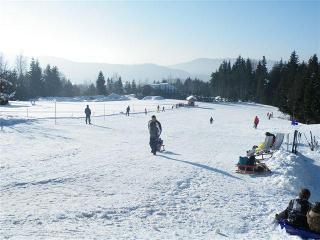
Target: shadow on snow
(202,166)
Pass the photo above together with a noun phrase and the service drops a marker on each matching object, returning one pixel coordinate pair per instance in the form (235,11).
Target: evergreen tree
(52,81)
(101,84)
(127,87)
(34,75)
(91,91)
(133,87)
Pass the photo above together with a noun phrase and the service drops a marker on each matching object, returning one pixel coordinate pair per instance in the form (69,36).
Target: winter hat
(304,193)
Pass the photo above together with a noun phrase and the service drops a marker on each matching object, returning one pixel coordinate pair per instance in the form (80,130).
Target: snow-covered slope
(100,181)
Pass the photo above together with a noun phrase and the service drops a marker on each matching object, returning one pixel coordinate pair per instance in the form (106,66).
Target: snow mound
(153,98)
(292,172)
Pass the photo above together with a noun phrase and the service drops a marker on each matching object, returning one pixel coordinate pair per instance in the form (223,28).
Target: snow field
(75,181)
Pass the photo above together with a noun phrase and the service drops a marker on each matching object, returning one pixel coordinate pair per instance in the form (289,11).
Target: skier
(158,108)
(155,130)
(163,109)
(145,111)
(128,111)
(256,122)
(87,111)
(211,120)
(296,212)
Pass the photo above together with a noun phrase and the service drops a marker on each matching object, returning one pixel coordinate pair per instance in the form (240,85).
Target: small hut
(191,100)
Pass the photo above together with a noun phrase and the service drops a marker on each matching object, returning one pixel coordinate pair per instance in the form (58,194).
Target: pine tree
(34,75)
(101,84)
(262,81)
(133,87)
(52,81)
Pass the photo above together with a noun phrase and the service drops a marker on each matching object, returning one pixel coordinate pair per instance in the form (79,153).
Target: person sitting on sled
(313,218)
(296,212)
(252,161)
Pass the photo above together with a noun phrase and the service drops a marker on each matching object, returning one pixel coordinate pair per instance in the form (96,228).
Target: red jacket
(256,120)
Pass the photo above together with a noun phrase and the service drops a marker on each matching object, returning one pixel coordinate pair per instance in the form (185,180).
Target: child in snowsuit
(296,212)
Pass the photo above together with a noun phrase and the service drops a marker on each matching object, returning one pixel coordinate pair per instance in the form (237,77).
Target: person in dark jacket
(268,134)
(155,130)
(87,111)
(296,212)
(211,120)
(128,111)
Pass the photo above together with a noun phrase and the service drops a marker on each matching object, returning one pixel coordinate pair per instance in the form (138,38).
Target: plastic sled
(301,232)
(252,169)
(160,145)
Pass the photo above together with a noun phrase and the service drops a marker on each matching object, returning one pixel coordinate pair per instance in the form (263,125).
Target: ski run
(63,179)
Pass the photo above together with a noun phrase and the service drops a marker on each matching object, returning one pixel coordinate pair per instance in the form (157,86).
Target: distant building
(165,87)
(191,100)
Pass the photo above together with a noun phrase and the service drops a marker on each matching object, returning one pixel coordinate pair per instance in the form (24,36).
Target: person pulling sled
(155,130)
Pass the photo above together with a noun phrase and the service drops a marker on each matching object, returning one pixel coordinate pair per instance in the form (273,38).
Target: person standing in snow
(155,130)
(163,109)
(211,120)
(145,111)
(158,108)
(87,111)
(256,122)
(128,111)
(296,212)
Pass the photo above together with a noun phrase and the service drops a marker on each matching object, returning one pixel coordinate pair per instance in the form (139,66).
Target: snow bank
(153,98)
(292,172)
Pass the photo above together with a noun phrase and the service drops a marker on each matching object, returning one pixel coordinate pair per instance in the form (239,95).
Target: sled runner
(252,169)
(247,166)
(301,232)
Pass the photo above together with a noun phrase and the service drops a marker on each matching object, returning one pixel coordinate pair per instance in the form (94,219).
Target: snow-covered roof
(191,98)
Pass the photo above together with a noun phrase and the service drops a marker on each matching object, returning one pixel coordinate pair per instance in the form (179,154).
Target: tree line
(50,82)
(291,86)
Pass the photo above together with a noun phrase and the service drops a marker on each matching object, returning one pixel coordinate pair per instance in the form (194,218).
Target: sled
(301,232)
(160,145)
(252,169)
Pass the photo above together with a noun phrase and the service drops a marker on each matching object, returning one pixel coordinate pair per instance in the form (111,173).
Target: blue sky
(160,32)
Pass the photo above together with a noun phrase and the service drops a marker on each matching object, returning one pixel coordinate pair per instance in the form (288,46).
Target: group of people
(154,127)
(270,115)
(301,213)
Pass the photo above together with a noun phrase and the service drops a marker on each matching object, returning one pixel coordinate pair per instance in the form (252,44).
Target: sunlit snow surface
(70,180)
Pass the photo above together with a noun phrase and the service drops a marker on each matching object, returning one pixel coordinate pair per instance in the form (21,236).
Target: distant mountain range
(82,72)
